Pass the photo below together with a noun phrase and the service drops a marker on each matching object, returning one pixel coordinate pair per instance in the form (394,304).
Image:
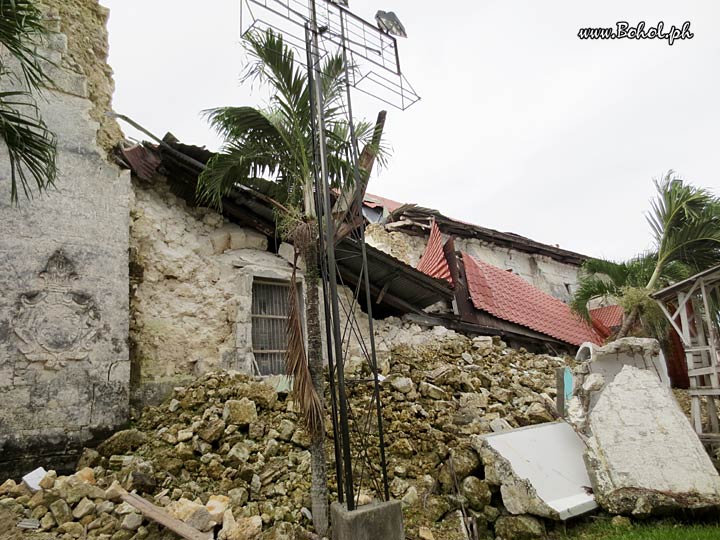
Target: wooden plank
(672,321)
(704,392)
(702,371)
(698,350)
(560,389)
(159,515)
(683,298)
(711,340)
(695,408)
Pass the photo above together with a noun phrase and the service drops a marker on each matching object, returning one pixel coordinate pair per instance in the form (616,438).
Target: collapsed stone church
(117,287)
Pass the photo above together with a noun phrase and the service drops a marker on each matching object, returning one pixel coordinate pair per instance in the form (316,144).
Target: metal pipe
(332,268)
(368,299)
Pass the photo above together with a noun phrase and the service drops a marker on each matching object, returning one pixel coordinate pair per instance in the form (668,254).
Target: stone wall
(64,366)
(84,21)
(191,295)
(553,277)
(404,247)
(191,290)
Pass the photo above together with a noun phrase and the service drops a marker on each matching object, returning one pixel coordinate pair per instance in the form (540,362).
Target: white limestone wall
(555,278)
(191,290)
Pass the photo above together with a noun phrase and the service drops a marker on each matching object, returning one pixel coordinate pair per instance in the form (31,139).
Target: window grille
(270,310)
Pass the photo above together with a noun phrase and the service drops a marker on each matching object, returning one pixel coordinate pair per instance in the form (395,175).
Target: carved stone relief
(56,323)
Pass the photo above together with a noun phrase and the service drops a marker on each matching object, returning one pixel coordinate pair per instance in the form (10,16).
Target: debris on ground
(228,454)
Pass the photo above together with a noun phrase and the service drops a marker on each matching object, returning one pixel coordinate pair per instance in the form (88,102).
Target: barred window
(270,310)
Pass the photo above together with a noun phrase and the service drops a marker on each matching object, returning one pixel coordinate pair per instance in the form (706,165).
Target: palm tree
(685,221)
(31,145)
(624,282)
(272,148)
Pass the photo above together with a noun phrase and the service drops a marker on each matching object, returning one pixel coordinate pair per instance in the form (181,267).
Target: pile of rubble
(228,455)
(437,398)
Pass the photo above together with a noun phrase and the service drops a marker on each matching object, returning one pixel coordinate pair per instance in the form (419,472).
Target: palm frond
(685,221)
(31,145)
(615,272)
(21,28)
(296,364)
(241,163)
(589,287)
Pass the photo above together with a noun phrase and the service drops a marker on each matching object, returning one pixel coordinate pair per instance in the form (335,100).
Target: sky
(521,127)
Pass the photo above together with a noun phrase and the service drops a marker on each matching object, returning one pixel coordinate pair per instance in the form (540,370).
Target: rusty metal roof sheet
(391,280)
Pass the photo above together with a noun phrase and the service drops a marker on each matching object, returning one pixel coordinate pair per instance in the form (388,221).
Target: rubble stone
(260,460)
(476,492)
(122,442)
(132,522)
(61,511)
(217,505)
(192,513)
(241,412)
(84,507)
(74,530)
(403,384)
(518,528)
(432,391)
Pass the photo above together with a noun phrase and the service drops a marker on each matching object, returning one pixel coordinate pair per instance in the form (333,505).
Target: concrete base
(375,521)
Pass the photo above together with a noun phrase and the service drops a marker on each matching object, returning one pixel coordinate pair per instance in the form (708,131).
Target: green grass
(654,530)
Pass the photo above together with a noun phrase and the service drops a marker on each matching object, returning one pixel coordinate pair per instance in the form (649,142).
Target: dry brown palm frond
(296,365)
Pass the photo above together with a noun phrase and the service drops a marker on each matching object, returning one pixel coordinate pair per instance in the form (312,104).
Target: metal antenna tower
(372,65)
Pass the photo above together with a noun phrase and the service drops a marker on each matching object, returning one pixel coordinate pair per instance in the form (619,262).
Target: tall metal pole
(332,268)
(368,299)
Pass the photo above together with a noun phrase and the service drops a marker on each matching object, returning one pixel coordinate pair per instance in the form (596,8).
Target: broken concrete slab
(608,360)
(598,366)
(643,456)
(539,469)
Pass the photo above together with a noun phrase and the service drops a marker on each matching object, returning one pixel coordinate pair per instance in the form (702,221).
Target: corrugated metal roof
(509,297)
(391,281)
(143,161)
(433,261)
(373,201)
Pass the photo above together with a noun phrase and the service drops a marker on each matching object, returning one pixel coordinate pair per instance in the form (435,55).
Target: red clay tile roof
(433,261)
(605,319)
(509,297)
(610,316)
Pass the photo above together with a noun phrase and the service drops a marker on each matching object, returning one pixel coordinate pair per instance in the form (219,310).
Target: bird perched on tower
(388,22)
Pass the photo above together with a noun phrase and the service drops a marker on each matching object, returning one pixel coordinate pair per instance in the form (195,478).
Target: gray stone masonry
(64,367)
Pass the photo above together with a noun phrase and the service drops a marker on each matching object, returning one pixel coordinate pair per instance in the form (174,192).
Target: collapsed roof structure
(448,287)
